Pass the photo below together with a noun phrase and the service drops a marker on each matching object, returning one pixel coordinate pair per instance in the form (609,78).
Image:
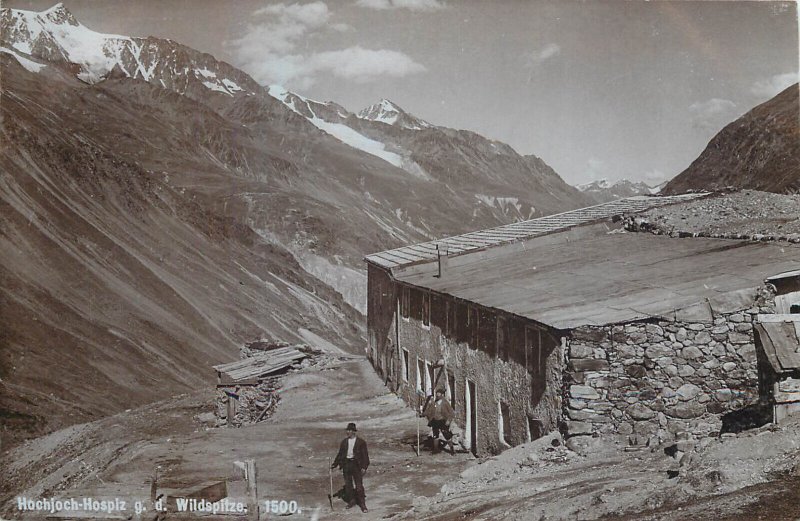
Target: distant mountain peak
(60,15)
(386,111)
(56,36)
(603,190)
(603,184)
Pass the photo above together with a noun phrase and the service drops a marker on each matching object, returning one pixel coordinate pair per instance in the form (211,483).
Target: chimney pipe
(441,258)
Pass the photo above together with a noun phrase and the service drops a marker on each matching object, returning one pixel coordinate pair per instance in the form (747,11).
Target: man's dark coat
(360,454)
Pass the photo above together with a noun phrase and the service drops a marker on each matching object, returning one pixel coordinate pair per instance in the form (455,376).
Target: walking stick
(418,413)
(330,474)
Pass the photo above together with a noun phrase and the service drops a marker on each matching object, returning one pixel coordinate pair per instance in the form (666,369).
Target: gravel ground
(746,212)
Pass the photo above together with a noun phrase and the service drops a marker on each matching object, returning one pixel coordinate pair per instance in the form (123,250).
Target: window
(486,326)
(426,309)
(420,373)
(515,342)
(450,316)
(405,302)
(794,308)
(503,338)
(461,322)
(405,364)
(504,422)
(428,379)
(472,324)
(535,429)
(416,304)
(439,312)
(451,389)
(533,349)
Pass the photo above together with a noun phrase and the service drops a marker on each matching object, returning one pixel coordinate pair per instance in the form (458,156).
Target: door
(471,424)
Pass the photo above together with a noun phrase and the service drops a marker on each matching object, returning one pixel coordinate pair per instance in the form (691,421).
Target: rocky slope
(117,288)
(744,213)
(160,208)
(759,151)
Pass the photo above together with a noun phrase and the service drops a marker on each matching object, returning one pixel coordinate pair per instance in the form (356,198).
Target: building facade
(570,322)
(502,373)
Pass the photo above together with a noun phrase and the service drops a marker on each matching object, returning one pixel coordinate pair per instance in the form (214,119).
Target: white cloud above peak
(773,85)
(711,115)
(270,49)
(411,5)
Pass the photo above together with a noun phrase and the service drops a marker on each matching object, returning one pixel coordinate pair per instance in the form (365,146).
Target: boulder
(703,337)
(580,351)
(739,338)
(583,391)
(639,411)
(686,410)
(688,391)
(691,352)
(575,428)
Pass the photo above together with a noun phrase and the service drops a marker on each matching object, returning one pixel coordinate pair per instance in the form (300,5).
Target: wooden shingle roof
(249,370)
(478,240)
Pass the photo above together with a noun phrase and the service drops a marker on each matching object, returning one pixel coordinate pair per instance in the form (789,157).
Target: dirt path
(117,456)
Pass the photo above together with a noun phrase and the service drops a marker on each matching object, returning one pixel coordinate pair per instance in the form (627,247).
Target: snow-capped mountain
(603,190)
(56,36)
(461,159)
(331,118)
(164,207)
(387,112)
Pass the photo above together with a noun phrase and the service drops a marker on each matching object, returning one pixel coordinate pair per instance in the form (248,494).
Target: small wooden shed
(777,339)
(250,370)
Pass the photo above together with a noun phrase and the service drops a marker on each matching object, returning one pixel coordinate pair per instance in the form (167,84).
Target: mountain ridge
(759,151)
(191,220)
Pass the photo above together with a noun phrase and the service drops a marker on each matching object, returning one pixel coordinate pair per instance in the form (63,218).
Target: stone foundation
(660,378)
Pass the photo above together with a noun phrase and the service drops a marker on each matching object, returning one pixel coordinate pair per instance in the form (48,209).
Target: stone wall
(656,379)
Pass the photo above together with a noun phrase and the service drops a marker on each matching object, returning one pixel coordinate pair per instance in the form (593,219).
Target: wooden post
(231,411)
(252,488)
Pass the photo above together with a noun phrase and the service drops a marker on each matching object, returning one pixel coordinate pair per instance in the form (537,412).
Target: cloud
(713,114)
(356,63)
(268,49)
(536,58)
(654,177)
(596,170)
(280,29)
(411,5)
(353,63)
(773,85)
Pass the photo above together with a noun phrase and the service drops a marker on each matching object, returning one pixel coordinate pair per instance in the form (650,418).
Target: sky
(598,89)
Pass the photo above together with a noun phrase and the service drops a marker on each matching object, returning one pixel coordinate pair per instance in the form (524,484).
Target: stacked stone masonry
(661,378)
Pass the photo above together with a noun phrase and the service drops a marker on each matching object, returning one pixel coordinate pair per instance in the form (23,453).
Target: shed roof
(250,369)
(780,339)
(478,240)
(611,278)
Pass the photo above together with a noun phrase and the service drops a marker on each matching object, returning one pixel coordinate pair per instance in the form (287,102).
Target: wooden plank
(792,317)
(266,355)
(408,256)
(252,489)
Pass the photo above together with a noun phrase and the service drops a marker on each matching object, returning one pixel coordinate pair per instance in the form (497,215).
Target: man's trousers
(353,483)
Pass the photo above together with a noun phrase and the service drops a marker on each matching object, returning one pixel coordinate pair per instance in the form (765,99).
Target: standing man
(353,459)
(439,414)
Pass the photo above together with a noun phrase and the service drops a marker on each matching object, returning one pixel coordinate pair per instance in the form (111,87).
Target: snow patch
(206,73)
(30,65)
(216,87)
(231,86)
(346,134)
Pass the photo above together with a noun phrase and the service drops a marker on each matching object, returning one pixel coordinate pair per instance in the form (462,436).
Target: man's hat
(351,427)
